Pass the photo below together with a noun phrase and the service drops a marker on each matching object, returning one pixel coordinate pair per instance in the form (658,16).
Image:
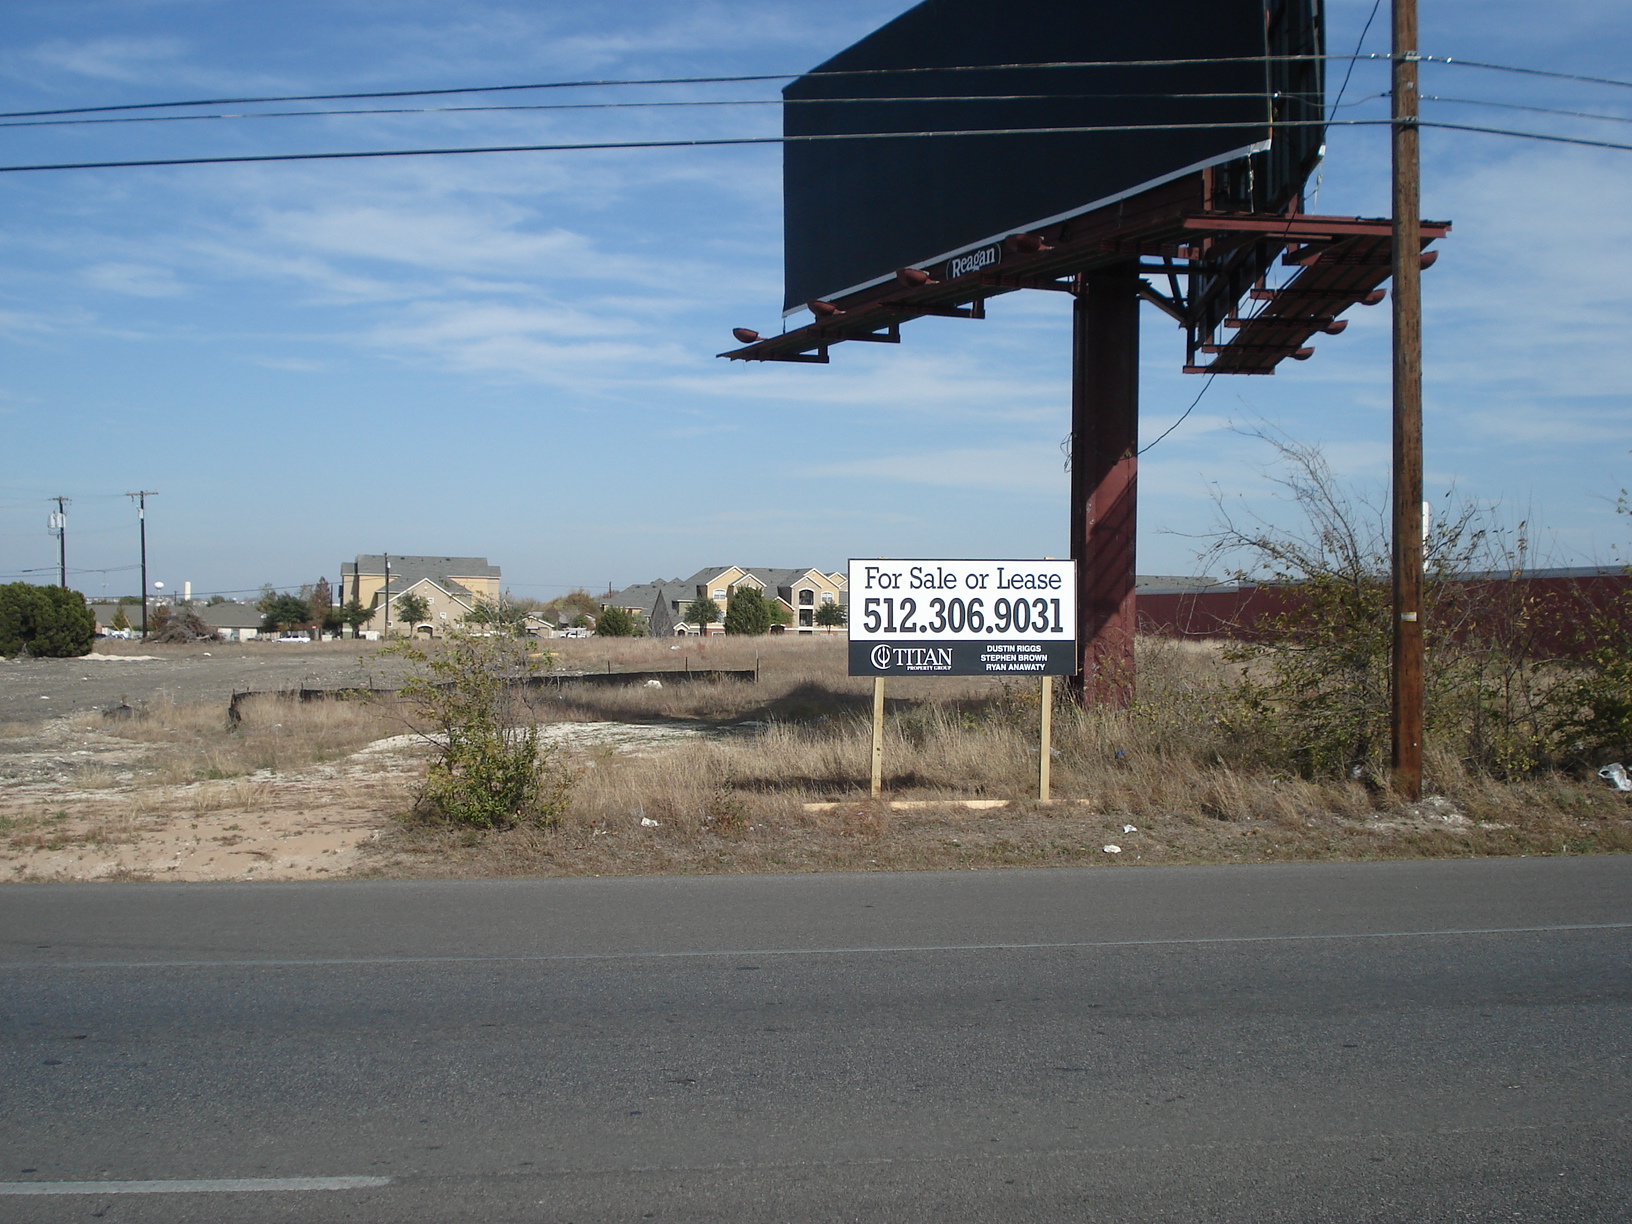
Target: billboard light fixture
(1026,244)
(824,310)
(745,335)
(914,278)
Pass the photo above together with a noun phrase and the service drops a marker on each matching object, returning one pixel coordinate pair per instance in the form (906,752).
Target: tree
(616,622)
(498,616)
(747,613)
(353,615)
(581,621)
(322,605)
(45,622)
(831,616)
(569,607)
(121,622)
(701,612)
(491,770)
(280,611)
(780,614)
(413,609)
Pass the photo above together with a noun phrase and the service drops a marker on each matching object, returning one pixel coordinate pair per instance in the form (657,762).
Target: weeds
(490,770)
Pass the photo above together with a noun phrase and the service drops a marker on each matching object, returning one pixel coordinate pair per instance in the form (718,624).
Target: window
(805,620)
(719,594)
(827,596)
(807,597)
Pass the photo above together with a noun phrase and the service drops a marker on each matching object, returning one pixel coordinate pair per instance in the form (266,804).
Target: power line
(731,141)
(702,80)
(1182,416)
(588,106)
(1539,110)
(612,82)
(1538,72)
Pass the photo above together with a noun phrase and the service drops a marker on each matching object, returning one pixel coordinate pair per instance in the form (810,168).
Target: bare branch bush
(1313,690)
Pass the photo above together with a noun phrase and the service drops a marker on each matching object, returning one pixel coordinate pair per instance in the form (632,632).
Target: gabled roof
(451,589)
(373,565)
(227,615)
(641,597)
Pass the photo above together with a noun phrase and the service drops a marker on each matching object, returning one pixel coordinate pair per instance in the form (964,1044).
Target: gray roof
(415,568)
(643,596)
(400,585)
(227,615)
(1176,584)
(683,590)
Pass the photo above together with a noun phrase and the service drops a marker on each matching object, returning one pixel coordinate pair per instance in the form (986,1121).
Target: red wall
(1560,607)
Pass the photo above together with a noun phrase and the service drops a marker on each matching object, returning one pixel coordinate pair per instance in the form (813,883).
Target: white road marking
(859,950)
(225,1185)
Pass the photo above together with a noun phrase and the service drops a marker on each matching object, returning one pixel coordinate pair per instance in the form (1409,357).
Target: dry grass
(193,742)
(1173,767)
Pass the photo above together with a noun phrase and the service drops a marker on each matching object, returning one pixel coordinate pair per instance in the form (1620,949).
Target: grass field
(747,798)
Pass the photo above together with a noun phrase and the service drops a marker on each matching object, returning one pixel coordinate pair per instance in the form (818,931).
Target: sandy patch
(76,804)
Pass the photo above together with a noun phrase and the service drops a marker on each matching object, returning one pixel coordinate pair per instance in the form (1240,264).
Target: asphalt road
(1443,1041)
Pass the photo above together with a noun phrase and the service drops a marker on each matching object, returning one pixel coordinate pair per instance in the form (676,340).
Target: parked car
(293,637)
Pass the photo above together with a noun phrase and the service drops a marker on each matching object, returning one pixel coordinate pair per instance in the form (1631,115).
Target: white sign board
(963,618)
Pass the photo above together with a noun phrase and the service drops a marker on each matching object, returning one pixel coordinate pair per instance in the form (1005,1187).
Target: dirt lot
(702,776)
(33,690)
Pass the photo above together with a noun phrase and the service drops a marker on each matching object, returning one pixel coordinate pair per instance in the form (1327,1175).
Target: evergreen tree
(747,613)
(616,622)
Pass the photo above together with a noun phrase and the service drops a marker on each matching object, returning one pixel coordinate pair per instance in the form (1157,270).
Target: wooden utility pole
(59,525)
(1406,687)
(140,497)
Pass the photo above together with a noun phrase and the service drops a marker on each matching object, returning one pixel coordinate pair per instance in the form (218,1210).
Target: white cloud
(136,280)
(135,60)
(1037,470)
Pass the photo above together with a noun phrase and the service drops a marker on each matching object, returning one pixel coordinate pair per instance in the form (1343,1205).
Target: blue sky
(513,355)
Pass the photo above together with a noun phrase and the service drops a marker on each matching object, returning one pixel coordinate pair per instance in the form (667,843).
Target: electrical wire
(1182,415)
(610,82)
(581,106)
(732,141)
(703,80)
(1361,42)
(1539,110)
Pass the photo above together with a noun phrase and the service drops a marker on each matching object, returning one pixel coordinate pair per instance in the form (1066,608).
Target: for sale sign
(963,618)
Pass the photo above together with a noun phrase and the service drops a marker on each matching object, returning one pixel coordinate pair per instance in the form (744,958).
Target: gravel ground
(33,690)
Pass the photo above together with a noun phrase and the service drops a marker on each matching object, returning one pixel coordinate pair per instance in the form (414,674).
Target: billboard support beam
(1406,689)
(1104,479)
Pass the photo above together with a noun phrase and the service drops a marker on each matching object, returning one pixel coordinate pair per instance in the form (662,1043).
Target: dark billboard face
(858,209)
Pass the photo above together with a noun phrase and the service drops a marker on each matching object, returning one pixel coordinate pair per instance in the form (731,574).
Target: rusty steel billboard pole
(1407,672)
(1104,479)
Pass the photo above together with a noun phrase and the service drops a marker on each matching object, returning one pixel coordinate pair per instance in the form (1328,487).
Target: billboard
(963,618)
(856,210)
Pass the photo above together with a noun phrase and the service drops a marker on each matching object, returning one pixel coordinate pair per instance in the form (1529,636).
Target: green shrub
(490,771)
(46,622)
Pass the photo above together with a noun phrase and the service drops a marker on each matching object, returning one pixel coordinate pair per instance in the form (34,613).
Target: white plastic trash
(1112,849)
(1130,828)
(1616,776)
(648,822)
(654,684)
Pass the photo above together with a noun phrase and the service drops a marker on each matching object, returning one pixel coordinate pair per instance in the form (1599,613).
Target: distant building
(449,585)
(800,591)
(235,622)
